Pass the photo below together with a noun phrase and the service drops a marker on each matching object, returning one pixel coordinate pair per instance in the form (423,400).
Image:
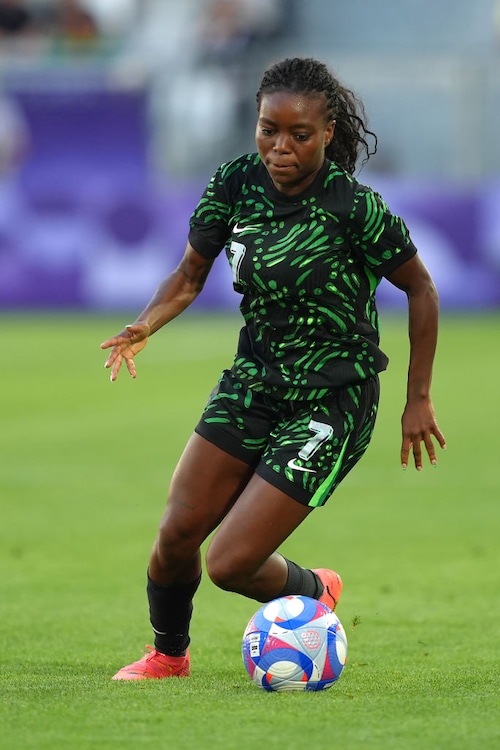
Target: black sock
(170,610)
(301,581)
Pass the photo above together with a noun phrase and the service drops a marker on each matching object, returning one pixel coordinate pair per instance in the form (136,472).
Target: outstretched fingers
(414,444)
(124,347)
(116,363)
(419,427)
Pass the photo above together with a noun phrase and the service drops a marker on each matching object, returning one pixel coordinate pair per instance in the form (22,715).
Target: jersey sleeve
(208,225)
(380,236)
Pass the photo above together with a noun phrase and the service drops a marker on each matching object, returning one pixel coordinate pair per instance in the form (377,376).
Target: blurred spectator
(224,33)
(14,136)
(269,18)
(230,28)
(75,21)
(74,26)
(164,33)
(163,49)
(14,18)
(114,17)
(40,26)
(232,37)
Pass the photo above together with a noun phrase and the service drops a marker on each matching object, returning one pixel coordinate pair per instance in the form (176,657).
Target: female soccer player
(307,245)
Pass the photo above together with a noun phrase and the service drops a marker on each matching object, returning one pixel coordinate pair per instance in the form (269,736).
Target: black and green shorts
(303,447)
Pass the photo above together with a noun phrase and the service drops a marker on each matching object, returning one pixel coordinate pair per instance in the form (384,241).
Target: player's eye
(301,137)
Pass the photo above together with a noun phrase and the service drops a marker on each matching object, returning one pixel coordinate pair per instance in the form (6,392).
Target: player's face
(292,133)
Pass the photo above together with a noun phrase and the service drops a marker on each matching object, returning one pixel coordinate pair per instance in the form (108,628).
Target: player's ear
(329,133)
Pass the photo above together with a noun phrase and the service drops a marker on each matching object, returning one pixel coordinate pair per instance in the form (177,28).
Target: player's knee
(174,542)
(226,573)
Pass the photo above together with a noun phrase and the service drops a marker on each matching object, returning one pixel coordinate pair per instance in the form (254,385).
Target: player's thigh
(257,524)
(204,486)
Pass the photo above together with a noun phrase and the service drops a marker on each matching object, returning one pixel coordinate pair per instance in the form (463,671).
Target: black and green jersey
(307,266)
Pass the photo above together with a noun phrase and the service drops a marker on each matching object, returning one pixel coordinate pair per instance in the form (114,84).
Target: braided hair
(305,75)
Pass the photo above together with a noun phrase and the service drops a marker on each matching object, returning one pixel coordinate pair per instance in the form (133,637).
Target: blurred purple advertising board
(84,224)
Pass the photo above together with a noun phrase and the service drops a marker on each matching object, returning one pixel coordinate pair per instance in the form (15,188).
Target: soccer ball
(294,643)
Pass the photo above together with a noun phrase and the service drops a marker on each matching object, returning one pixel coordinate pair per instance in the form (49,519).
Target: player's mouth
(280,167)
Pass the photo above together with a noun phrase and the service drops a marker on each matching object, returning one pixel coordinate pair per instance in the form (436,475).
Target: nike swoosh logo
(238,230)
(293,465)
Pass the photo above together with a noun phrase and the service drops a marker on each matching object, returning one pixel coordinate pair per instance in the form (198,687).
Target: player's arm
(418,421)
(174,294)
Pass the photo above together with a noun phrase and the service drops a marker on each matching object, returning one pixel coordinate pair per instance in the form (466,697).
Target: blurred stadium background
(114,113)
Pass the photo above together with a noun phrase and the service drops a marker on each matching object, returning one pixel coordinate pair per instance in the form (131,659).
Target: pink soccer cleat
(332,583)
(155,665)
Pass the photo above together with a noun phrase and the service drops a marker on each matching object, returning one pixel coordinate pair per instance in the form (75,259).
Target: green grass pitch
(84,467)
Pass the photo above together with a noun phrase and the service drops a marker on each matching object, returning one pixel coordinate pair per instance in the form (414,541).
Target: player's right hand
(124,347)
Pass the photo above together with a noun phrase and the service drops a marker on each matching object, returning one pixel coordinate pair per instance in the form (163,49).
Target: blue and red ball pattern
(294,643)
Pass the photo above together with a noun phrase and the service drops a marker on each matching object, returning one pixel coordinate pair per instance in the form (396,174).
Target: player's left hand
(419,426)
